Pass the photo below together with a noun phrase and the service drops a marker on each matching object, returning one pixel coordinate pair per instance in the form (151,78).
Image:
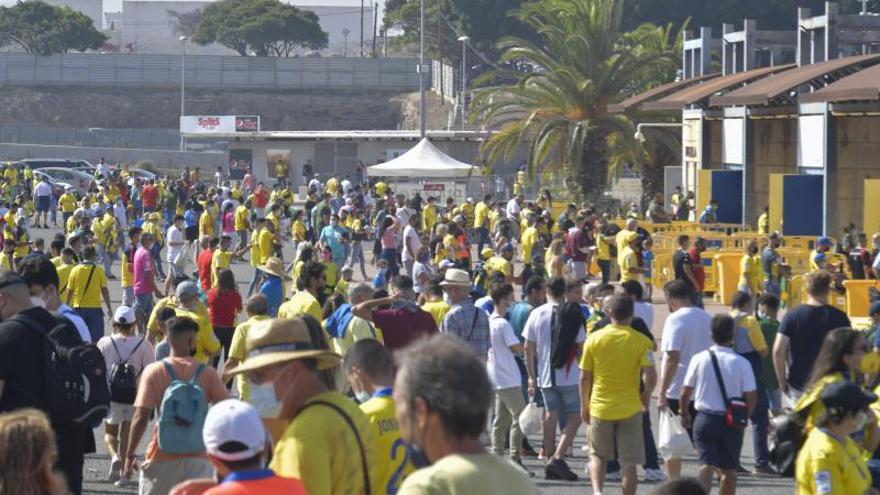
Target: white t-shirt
(121,217)
(418,269)
(687,331)
(174,236)
(876,265)
(43,189)
(735,370)
(513,209)
(411,237)
(538,330)
(346,186)
(501,364)
(143,354)
(645,311)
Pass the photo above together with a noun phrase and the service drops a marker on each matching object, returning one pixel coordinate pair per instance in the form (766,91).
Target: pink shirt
(389,238)
(143,272)
(228,222)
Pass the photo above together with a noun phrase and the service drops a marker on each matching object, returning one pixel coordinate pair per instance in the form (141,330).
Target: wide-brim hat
(456,277)
(274,266)
(271,342)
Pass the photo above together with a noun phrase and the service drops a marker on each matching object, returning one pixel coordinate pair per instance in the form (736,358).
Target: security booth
(790,138)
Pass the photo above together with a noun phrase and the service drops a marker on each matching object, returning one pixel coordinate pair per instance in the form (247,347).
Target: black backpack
(75,373)
(124,377)
(568,320)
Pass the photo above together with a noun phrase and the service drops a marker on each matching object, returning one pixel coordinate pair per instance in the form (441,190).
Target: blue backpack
(182,415)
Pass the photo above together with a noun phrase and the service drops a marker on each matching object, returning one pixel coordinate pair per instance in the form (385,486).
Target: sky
(116,5)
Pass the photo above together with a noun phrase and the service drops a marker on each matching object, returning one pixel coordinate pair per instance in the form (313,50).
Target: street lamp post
(423,112)
(464,40)
(183,40)
(345,33)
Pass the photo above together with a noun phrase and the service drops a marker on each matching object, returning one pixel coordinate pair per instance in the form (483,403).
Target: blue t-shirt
(331,236)
(271,288)
(190,219)
(380,280)
(517,316)
(648,261)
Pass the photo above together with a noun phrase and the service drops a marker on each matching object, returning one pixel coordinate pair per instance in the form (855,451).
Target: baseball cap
(845,396)
(233,423)
(875,308)
(486,253)
(824,241)
(446,264)
(124,315)
(186,290)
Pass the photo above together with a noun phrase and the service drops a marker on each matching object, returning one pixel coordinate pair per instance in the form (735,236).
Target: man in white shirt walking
(718,443)
(43,201)
(686,332)
(175,256)
(411,243)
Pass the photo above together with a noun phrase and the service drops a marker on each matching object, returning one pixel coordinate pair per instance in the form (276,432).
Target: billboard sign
(218,124)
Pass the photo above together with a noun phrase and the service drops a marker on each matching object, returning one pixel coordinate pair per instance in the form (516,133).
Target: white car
(80,180)
(142,174)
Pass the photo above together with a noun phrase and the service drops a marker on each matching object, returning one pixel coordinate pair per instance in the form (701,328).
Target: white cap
(234,421)
(124,315)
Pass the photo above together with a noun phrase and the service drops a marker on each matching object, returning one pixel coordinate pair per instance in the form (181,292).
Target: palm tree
(553,95)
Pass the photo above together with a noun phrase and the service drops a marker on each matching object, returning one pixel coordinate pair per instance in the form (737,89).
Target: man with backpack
(28,334)
(554,334)
(126,355)
(181,387)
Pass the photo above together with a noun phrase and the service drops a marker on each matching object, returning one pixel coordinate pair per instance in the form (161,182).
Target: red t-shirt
(204,266)
(223,306)
(149,195)
(402,326)
(261,198)
(574,242)
(699,271)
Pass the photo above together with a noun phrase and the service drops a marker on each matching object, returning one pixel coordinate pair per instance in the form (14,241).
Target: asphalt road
(97,464)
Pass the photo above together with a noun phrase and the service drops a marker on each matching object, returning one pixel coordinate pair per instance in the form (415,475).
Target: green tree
(37,27)
(556,100)
(262,27)
(186,23)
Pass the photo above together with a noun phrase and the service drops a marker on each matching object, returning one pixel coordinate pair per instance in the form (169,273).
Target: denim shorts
(566,399)
(143,306)
(718,445)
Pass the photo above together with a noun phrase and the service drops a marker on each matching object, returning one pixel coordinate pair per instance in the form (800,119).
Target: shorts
(566,399)
(119,413)
(192,233)
(43,203)
(623,436)
(128,296)
(159,477)
(717,444)
(143,306)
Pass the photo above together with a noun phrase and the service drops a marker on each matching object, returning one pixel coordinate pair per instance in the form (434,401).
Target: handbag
(736,413)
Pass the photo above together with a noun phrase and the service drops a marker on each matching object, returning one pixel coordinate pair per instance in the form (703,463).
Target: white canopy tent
(422,161)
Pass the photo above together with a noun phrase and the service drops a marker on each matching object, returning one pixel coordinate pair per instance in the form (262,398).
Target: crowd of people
(322,378)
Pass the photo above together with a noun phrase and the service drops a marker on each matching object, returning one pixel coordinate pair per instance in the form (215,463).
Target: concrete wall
(858,150)
(773,151)
(162,158)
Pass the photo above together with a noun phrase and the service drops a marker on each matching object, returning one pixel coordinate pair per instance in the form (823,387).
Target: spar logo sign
(219,124)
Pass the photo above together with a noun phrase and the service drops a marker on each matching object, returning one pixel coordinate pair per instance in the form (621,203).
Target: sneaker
(557,469)
(765,469)
(541,456)
(121,482)
(653,475)
(585,448)
(115,470)
(613,476)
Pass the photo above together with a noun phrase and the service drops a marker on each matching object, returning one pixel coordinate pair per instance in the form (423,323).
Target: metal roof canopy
(767,90)
(662,90)
(863,85)
(694,94)
(390,135)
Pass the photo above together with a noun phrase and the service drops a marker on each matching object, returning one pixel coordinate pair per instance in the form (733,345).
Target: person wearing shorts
(43,200)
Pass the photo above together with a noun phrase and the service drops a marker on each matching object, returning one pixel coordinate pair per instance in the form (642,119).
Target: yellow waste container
(857,298)
(727,265)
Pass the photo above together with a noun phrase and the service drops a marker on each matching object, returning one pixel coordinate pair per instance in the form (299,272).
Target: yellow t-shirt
(302,302)
(381,188)
(332,185)
(298,231)
(528,241)
(256,252)
(206,224)
(469,474)
(357,329)
(620,241)
(11,176)
(5,262)
(391,465)
(319,447)
(127,276)
(63,277)
(429,217)
(481,215)
(241,217)
(267,245)
(67,202)
(624,352)
(603,249)
(498,264)
(764,224)
(630,260)
(750,272)
(206,342)
(825,466)
(70,226)
(238,350)
(219,261)
(271,217)
(437,309)
(751,327)
(86,296)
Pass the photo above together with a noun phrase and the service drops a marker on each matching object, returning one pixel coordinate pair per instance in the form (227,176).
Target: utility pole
(183,40)
(423,113)
(375,24)
(362,28)
(464,41)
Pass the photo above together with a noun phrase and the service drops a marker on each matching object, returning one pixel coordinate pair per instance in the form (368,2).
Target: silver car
(80,180)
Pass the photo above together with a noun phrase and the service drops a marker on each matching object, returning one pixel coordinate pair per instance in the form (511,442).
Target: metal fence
(209,72)
(95,137)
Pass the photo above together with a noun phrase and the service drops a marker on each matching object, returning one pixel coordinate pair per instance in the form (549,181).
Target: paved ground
(97,464)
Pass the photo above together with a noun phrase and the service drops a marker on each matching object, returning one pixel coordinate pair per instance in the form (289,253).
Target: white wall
(148,27)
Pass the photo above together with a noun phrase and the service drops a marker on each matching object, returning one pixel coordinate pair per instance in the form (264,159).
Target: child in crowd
(380,281)
(648,263)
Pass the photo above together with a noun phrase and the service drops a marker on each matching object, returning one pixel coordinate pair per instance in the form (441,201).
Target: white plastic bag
(673,441)
(530,419)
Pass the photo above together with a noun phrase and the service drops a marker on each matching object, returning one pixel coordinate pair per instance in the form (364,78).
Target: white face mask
(264,400)
(447,299)
(38,301)
(862,421)
(362,396)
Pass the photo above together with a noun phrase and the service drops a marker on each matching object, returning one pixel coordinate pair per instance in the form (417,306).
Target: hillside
(142,108)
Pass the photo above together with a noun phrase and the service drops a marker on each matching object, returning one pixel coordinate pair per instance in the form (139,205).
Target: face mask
(447,299)
(264,400)
(362,396)
(862,419)
(38,301)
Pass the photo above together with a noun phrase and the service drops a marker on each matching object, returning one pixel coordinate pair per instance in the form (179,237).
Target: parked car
(142,174)
(40,163)
(58,187)
(80,179)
